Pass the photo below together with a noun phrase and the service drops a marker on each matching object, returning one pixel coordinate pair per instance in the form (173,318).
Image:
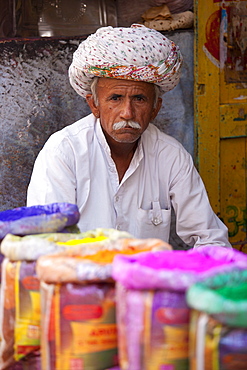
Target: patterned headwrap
(136,53)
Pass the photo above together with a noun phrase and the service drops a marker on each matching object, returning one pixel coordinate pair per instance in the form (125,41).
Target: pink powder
(183,260)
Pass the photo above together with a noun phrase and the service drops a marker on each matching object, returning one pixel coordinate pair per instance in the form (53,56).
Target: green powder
(236,292)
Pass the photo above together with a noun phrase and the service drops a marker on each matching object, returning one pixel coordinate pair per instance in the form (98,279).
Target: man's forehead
(113,84)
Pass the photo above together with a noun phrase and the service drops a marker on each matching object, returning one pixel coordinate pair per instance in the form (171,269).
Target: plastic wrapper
(38,219)
(214,345)
(152,312)
(53,217)
(218,327)
(78,326)
(223,296)
(31,247)
(152,329)
(82,286)
(19,316)
(31,361)
(20,325)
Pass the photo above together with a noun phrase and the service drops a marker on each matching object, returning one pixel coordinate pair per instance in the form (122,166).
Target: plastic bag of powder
(223,296)
(175,269)
(152,312)
(78,305)
(218,325)
(52,217)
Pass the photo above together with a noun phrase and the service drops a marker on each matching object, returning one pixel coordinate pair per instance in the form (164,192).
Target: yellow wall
(221,110)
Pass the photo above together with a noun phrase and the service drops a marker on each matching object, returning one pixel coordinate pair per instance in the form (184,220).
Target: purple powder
(52,217)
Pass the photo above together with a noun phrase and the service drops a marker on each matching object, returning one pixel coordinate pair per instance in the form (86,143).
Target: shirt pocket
(153,223)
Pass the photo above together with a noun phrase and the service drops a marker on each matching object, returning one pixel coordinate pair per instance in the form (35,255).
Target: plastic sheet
(78,326)
(214,345)
(20,312)
(31,361)
(152,329)
(53,217)
(218,328)
(92,341)
(19,316)
(152,312)
(223,296)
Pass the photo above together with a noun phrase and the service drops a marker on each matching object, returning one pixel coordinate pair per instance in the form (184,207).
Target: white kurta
(75,166)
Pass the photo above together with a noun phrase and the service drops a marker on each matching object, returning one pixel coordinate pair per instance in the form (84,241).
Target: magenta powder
(175,269)
(181,260)
(152,312)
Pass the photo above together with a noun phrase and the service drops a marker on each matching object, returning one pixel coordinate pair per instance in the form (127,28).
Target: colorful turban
(137,53)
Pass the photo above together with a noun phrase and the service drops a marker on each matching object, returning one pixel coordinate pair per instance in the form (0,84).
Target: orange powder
(106,256)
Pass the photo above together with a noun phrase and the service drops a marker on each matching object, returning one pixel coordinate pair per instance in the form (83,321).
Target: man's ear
(94,108)
(156,108)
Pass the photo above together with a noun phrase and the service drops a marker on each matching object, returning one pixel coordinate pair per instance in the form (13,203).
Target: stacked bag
(218,329)
(154,311)
(78,301)
(18,262)
(58,297)
(105,300)
(18,275)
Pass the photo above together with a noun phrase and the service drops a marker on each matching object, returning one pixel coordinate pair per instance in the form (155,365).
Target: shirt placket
(119,196)
(118,206)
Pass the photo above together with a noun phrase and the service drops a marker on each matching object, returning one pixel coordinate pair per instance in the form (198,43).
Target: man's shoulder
(83,124)
(165,149)
(73,132)
(153,136)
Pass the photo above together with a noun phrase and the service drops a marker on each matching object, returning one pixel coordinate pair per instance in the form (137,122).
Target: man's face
(126,102)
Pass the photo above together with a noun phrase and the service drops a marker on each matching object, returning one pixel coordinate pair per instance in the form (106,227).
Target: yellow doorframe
(220,109)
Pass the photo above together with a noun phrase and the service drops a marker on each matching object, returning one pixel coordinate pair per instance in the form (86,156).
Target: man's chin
(126,136)
(125,139)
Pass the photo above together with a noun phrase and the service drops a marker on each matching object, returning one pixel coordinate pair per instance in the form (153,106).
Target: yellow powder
(72,242)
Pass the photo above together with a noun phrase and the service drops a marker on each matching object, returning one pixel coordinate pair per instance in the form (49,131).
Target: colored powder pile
(106,256)
(72,242)
(234,292)
(102,256)
(32,211)
(182,260)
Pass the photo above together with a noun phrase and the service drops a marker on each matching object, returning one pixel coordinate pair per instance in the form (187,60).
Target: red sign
(82,312)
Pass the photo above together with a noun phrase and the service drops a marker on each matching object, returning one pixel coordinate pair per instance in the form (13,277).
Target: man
(119,169)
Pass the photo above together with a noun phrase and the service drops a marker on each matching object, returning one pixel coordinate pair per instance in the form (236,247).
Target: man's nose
(127,111)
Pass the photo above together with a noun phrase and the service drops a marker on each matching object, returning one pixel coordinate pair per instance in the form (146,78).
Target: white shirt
(75,166)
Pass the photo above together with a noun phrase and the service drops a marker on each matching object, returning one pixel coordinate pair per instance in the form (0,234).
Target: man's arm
(52,180)
(197,224)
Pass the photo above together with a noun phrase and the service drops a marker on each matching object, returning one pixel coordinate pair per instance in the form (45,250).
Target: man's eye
(139,98)
(115,97)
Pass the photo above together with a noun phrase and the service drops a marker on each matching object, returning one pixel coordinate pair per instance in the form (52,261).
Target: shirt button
(156,221)
(118,227)
(117,198)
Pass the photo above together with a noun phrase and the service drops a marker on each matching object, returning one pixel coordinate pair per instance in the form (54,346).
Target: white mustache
(123,124)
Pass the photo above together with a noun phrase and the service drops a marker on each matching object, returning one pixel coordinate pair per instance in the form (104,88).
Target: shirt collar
(101,137)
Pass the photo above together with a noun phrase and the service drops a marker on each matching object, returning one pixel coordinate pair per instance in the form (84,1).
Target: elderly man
(119,169)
